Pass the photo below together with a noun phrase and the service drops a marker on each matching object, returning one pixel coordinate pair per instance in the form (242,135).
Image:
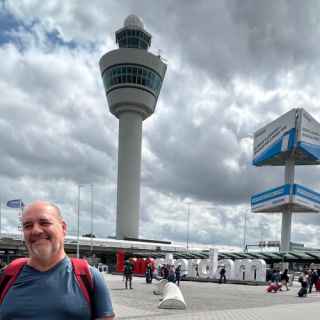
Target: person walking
(47,284)
(166,271)
(284,278)
(313,276)
(149,273)
(222,275)
(318,281)
(128,272)
(196,268)
(172,274)
(304,280)
(178,274)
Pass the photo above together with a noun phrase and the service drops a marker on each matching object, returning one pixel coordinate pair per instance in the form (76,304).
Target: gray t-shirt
(54,295)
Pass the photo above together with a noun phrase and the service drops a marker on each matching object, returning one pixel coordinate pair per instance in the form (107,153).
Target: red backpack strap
(9,275)
(84,278)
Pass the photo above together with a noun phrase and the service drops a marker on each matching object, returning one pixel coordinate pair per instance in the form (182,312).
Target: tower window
(132,74)
(132,38)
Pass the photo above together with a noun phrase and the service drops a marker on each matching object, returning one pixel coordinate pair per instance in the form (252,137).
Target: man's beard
(45,252)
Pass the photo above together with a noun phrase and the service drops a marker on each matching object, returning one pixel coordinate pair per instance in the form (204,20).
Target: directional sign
(308,136)
(306,198)
(300,199)
(274,139)
(17,203)
(270,200)
(295,134)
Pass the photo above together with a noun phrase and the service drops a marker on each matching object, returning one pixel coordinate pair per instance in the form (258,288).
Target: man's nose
(36,228)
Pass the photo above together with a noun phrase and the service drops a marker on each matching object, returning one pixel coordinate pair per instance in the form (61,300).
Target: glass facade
(132,74)
(133,39)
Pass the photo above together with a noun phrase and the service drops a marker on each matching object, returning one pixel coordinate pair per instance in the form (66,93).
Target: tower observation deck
(132,79)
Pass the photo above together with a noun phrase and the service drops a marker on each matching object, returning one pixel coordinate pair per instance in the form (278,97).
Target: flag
(17,203)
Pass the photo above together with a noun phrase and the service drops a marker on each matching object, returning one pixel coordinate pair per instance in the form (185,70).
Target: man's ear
(64,227)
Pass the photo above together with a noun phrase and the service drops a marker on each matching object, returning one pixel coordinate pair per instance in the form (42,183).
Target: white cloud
(231,69)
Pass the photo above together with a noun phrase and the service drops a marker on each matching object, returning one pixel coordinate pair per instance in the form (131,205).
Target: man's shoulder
(94,271)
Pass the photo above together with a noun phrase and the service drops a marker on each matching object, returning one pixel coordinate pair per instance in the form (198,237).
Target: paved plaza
(212,301)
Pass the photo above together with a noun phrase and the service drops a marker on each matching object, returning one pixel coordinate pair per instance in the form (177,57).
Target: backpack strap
(84,278)
(9,275)
(80,269)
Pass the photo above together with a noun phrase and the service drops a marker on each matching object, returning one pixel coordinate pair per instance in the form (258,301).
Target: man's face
(43,231)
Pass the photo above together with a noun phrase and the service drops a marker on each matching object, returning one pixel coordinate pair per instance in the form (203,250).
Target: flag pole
(0,217)
(16,204)
(21,211)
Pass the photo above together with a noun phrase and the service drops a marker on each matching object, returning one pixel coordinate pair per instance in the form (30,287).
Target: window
(132,74)
(133,39)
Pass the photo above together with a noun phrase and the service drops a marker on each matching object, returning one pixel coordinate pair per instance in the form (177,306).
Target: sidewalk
(212,301)
(280,312)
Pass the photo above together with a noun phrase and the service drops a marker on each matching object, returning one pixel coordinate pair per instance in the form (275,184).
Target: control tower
(132,79)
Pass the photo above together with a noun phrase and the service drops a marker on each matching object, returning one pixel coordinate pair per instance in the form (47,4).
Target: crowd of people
(309,279)
(277,281)
(170,272)
(165,271)
(174,274)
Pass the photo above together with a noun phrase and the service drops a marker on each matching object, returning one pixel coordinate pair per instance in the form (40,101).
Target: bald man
(47,288)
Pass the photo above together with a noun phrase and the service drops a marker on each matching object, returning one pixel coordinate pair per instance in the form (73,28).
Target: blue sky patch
(9,25)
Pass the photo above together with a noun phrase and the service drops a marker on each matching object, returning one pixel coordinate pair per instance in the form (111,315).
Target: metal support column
(188,226)
(245,232)
(0,217)
(287,213)
(91,220)
(78,224)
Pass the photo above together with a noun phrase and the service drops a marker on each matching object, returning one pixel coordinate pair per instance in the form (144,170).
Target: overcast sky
(233,66)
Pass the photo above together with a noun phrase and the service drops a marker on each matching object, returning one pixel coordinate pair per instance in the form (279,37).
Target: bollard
(159,287)
(172,297)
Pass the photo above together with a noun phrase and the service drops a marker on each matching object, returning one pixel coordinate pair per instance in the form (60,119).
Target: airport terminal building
(104,251)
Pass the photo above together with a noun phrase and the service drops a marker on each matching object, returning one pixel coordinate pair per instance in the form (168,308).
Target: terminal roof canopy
(291,256)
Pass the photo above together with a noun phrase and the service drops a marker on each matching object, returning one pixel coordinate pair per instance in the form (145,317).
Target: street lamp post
(188,226)
(0,216)
(245,231)
(91,224)
(78,218)
(188,221)
(78,223)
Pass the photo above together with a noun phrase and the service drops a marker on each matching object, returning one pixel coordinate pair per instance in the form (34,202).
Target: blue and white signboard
(275,200)
(306,198)
(16,203)
(296,131)
(270,200)
(308,137)
(274,139)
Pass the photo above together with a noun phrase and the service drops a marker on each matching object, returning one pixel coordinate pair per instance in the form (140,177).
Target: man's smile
(40,240)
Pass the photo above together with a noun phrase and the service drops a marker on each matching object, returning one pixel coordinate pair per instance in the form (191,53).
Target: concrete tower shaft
(132,79)
(129,168)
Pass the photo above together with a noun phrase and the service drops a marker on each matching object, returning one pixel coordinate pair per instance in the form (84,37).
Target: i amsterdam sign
(240,270)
